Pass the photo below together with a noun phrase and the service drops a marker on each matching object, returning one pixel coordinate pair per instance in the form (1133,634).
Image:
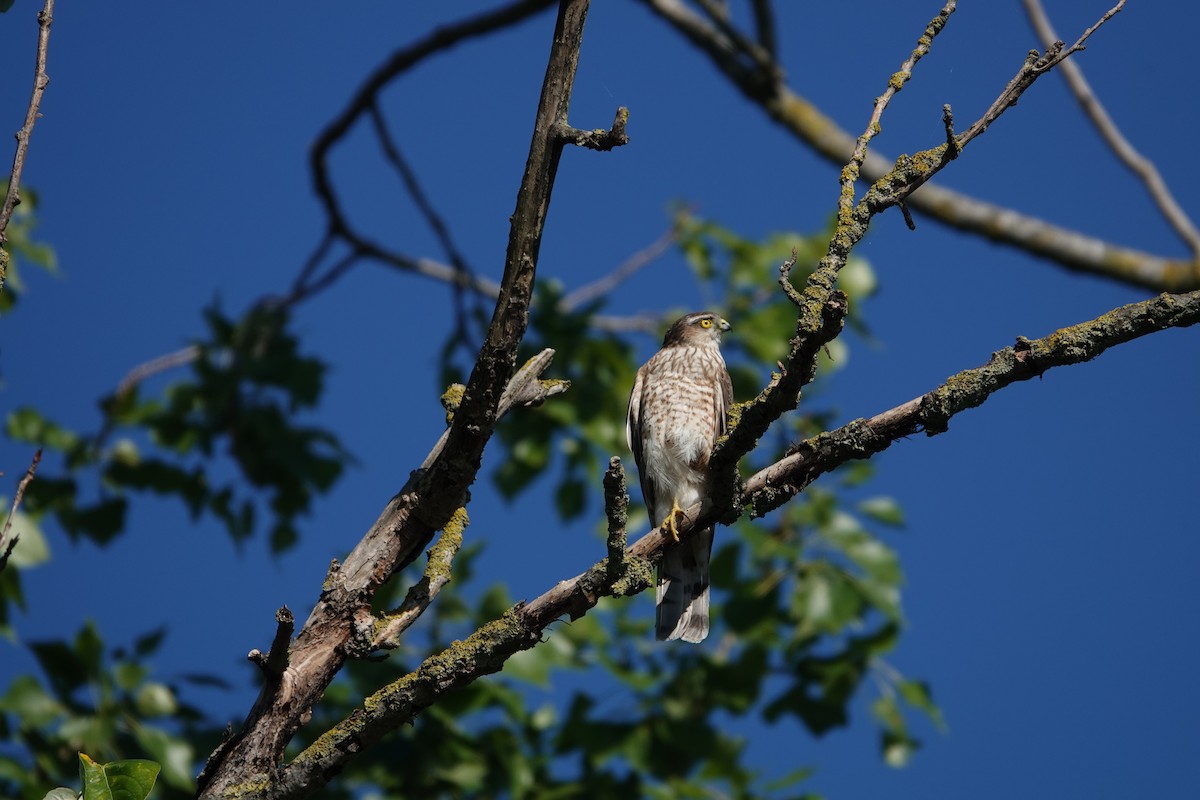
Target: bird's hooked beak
(723,325)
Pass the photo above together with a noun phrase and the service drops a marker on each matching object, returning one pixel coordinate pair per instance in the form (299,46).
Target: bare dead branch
(341,624)
(436,222)
(154,366)
(6,549)
(598,139)
(433,494)
(1070,249)
(621,273)
(1124,150)
(764,26)
(40,81)
(364,100)
(274,663)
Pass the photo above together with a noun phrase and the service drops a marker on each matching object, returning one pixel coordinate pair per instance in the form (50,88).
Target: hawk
(676,414)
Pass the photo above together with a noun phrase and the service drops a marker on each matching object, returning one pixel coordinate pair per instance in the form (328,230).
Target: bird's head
(699,327)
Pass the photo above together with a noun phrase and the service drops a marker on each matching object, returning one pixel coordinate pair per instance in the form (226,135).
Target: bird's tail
(682,595)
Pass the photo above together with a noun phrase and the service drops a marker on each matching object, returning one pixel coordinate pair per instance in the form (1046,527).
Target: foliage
(808,600)
(118,780)
(249,382)
(22,247)
(101,703)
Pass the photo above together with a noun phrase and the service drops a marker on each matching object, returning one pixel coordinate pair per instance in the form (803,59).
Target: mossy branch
(822,307)
(763,85)
(523,626)
(931,412)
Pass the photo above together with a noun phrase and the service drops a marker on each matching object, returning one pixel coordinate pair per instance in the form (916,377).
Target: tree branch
(1070,249)
(432,495)
(822,308)
(862,438)
(7,549)
(524,625)
(40,81)
(365,99)
(1128,155)
(621,273)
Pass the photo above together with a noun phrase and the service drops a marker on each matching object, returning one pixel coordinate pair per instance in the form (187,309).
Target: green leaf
(31,548)
(919,695)
(28,425)
(156,700)
(176,756)
(570,498)
(883,509)
(117,780)
(60,793)
(27,700)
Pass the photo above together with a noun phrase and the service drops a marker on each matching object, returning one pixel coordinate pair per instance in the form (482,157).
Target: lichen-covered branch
(822,309)
(931,412)
(821,306)
(523,626)
(341,624)
(616,510)
(388,630)
(1071,249)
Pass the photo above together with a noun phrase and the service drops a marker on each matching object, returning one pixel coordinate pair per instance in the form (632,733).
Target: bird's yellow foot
(668,524)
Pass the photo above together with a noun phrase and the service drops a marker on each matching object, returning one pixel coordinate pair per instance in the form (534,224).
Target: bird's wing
(633,438)
(724,401)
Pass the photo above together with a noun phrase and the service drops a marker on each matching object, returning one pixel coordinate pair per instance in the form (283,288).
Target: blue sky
(1050,545)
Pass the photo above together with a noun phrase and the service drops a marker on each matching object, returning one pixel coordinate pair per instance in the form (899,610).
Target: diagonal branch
(428,501)
(822,307)
(1124,150)
(1070,249)
(6,550)
(772,487)
(40,81)
(524,625)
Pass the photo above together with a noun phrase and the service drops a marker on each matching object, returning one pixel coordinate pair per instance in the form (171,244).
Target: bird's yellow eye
(706,323)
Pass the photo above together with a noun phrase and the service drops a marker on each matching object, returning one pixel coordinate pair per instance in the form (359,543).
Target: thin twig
(40,81)
(1035,66)
(621,273)
(1068,248)
(154,366)
(435,221)
(299,285)
(1122,148)
(896,82)
(12,511)
(764,26)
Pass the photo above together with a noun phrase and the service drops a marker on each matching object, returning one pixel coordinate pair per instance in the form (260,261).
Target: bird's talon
(669,525)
